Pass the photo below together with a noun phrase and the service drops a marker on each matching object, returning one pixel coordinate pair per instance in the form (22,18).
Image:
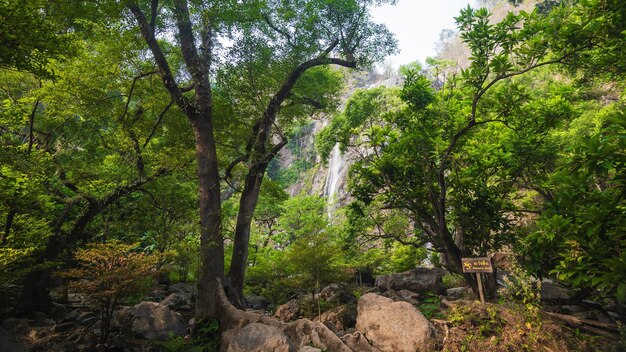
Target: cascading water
(335,165)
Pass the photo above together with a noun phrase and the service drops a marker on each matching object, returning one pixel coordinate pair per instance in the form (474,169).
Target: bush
(452,280)
(109,273)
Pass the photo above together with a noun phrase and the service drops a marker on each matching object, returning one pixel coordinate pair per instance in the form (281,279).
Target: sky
(417,24)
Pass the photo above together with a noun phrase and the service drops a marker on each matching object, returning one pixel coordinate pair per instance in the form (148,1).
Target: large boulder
(150,320)
(177,301)
(341,317)
(258,337)
(394,326)
(337,294)
(304,332)
(257,302)
(456,293)
(357,342)
(553,293)
(419,280)
(288,312)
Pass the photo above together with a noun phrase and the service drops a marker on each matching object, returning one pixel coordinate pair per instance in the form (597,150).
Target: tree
(579,236)
(72,150)
(31,34)
(305,253)
(453,159)
(265,44)
(109,273)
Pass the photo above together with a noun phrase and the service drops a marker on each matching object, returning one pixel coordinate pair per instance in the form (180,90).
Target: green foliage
(305,257)
(206,339)
(416,90)
(109,273)
(580,234)
(522,288)
(185,258)
(451,280)
(431,307)
(34,32)
(16,263)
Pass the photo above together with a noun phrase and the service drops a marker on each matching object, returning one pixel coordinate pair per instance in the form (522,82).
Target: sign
(476,265)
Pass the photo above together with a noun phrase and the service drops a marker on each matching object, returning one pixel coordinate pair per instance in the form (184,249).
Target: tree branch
(284,34)
(153,131)
(159,57)
(130,93)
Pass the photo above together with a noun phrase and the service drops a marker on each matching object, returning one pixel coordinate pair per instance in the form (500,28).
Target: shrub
(108,273)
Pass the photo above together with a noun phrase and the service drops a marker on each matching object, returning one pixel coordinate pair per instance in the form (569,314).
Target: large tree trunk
(239,262)
(211,242)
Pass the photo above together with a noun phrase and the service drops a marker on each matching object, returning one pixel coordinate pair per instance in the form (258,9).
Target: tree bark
(211,242)
(247,204)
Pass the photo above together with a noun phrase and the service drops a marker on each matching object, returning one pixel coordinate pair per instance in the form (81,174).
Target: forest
(252,175)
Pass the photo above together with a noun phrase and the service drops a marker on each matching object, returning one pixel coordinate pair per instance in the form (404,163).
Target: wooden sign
(476,265)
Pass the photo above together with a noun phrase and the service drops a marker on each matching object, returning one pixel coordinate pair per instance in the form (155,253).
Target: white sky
(417,24)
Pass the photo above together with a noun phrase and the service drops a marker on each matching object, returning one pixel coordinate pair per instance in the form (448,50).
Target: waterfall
(335,165)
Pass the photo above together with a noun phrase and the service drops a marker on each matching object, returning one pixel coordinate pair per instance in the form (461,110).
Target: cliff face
(302,169)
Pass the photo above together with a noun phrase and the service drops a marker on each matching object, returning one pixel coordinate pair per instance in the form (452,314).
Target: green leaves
(582,228)
(32,34)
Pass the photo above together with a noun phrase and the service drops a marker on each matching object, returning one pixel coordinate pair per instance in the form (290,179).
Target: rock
(65,327)
(116,344)
(309,349)
(57,311)
(394,326)
(257,302)
(182,287)
(185,288)
(8,343)
(39,317)
(556,294)
(613,305)
(341,317)
(15,324)
(71,316)
(288,312)
(373,290)
(150,320)
(158,295)
(257,337)
(335,293)
(77,299)
(86,318)
(331,326)
(177,300)
(409,296)
(10,296)
(394,295)
(304,332)
(357,342)
(502,260)
(456,293)
(421,281)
